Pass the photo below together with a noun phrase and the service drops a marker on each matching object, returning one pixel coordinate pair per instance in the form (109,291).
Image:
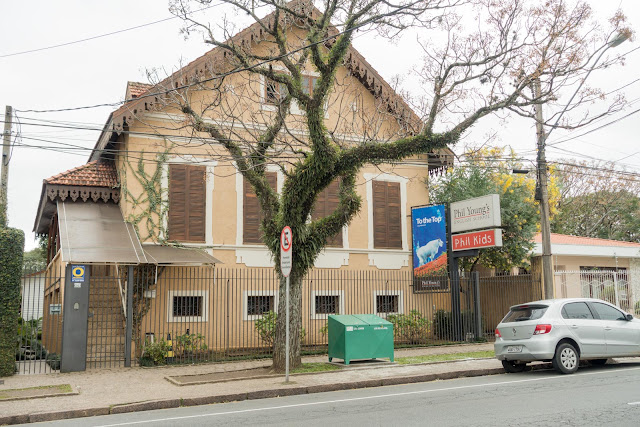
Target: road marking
(633,403)
(379,396)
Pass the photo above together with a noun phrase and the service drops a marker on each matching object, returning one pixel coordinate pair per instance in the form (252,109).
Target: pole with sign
(286,260)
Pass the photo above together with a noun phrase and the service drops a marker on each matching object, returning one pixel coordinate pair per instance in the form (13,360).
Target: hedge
(11,251)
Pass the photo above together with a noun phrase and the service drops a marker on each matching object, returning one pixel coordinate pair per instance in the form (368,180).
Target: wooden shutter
(387,219)
(251,210)
(187,201)
(326,203)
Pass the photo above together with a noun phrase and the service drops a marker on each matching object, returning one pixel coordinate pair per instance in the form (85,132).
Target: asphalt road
(594,396)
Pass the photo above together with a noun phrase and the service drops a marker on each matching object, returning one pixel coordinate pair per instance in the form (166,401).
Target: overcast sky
(96,71)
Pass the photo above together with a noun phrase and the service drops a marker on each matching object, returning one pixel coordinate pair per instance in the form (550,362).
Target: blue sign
(77,273)
(429,233)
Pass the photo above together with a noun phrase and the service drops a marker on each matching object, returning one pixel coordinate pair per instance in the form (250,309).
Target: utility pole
(543,197)
(4,173)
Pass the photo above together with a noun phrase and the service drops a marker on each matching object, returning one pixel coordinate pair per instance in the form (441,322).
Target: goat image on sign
(427,252)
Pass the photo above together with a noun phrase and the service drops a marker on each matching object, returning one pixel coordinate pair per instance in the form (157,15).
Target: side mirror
(629,317)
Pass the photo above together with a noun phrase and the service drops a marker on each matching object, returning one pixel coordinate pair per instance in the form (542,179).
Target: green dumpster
(359,336)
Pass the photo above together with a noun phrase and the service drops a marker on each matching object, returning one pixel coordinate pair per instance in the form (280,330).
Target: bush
(189,344)
(53,360)
(154,354)
(266,327)
(443,324)
(11,247)
(412,327)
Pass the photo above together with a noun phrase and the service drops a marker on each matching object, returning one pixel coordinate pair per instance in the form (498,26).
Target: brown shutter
(387,220)
(251,210)
(326,203)
(187,200)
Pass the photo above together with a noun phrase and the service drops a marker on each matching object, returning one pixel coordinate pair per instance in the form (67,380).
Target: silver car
(565,331)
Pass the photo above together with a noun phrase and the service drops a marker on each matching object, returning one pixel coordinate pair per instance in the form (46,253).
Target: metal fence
(199,314)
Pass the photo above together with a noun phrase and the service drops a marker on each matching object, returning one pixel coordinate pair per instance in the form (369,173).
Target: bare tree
(480,57)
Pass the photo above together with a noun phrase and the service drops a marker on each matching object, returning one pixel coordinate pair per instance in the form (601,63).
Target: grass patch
(26,393)
(315,367)
(444,357)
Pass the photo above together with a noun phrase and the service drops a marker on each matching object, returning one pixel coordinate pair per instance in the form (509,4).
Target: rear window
(525,312)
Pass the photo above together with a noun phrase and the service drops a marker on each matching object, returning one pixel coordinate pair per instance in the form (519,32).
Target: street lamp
(545,227)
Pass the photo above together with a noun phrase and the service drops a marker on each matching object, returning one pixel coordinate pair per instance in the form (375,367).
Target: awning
(171,255)
(97,233)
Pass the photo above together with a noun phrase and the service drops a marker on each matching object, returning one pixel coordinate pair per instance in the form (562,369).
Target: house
(158,204)
(597,268)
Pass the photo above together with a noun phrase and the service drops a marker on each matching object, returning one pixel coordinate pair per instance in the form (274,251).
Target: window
(257,305)
(187,199)
(326,203)
(606,312)
(576,310)
(327,304)
(309,84)
(386,303)
(387,219)
(188,306)
(251,211)
(525,312)
(274,92)
(324,303)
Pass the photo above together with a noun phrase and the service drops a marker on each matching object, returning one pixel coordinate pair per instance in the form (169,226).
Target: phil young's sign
(477,239)
(473,214)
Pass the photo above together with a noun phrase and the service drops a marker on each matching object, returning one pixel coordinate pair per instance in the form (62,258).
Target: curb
(253,395)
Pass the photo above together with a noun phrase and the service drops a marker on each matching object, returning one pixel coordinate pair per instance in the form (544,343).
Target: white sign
(473,214)
(286,251)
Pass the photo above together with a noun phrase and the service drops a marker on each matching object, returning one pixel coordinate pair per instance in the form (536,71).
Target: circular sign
(286,252)
(286,239)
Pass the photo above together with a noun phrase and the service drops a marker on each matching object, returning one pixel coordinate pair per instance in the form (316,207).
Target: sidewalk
(104,391)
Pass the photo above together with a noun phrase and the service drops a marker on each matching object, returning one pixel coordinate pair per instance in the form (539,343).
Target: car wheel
(566,359)
(513,367)
(598,362)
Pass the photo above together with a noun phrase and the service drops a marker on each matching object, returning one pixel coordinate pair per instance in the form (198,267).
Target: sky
(54,59)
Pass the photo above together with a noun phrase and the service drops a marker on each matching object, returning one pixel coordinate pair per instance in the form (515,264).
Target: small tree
(489,171)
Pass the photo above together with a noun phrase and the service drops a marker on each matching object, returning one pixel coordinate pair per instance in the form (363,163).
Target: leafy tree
(35,259)
(469,71)
(489,171)
(598,200)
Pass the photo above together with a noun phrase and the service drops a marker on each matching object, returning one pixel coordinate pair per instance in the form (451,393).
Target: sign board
(477,239)
(77,273)
(55,308)
(429,235)
(286,251)
(477,213)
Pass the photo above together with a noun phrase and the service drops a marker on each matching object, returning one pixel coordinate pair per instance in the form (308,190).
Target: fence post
(129,331)
(475,280)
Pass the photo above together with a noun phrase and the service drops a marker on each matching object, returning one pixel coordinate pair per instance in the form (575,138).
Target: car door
(622,336)
(588,331)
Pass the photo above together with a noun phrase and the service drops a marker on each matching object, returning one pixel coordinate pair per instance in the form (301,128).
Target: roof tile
(564,239)
(93,174)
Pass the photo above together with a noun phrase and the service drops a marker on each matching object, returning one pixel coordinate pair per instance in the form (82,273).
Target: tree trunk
(295,325)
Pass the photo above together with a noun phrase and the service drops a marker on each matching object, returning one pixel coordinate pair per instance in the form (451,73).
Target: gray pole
(129,318)
(286,347)
(4,174)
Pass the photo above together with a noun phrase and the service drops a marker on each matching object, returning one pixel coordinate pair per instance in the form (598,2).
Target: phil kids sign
(477,213)
(429,233)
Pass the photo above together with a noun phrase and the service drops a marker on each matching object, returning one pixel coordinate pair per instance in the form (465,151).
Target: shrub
(266,327)
(154,354)
(11,251)
(189,344)
(53,360)
(412,327)
(443,324)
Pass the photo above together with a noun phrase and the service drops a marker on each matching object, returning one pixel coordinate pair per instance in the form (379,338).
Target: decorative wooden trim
(63,192)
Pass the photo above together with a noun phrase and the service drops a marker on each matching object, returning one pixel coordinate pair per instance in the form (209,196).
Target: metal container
(360,336)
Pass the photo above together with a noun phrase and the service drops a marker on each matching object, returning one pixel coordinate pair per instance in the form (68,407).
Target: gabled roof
(92,174)
(135,89)
(200,67)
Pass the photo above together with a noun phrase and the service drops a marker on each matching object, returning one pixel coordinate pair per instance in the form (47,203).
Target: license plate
(514,349)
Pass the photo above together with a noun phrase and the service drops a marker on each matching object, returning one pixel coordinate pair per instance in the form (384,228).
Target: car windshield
(525,312)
